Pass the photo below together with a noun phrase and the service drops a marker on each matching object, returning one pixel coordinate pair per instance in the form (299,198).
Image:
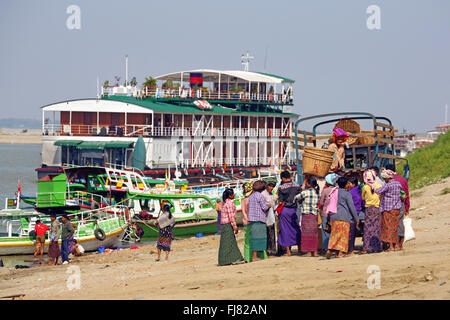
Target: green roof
(68,143)
(157,106)
(118,144)
(99,145)
(275,76)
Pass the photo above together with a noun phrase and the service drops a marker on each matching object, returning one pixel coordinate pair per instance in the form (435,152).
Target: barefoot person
(353,188)
(340,221)
(390,205)
(289,225)
(40,230)
(257,217)
(405,205)
(228,249)
(372,217)
(165,223)
(53,248)
(309,208)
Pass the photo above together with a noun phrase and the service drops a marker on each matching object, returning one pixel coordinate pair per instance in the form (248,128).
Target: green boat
(193,213)
(93,229)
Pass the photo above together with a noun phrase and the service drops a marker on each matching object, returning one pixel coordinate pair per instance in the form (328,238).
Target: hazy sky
(401,71)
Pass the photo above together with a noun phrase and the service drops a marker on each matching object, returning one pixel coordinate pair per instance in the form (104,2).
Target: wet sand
(16,136)
(420,271)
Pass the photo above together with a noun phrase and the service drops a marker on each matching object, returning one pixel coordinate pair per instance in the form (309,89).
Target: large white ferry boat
(198,122)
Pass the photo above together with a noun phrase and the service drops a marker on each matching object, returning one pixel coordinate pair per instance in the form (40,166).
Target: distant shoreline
(17,136)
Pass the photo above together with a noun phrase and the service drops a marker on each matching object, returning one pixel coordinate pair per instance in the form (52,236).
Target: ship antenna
(126,70)
(245,60)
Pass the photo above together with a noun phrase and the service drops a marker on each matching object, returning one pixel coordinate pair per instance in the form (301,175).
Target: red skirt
(309,233)
(389,226)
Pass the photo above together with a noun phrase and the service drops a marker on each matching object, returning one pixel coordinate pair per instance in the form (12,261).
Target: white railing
(232,162)
(203,93)
(134,130)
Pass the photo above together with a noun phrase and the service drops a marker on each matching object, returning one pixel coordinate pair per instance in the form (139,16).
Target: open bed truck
(358,157)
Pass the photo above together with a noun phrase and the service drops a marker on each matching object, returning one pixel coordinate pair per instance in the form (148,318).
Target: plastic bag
(409,232)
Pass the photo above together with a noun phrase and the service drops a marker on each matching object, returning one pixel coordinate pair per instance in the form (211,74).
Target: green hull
(208,225)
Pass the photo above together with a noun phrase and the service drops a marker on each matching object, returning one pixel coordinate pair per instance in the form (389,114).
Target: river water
(18,162)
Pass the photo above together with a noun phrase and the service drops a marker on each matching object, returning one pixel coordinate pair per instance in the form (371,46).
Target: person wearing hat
(390,205)
(248,190)
(67,238)
(337,146)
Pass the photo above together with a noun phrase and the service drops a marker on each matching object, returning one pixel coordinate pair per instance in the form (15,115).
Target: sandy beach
(420,271)
(17,136)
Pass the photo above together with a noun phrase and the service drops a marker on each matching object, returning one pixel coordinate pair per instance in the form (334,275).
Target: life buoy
(99,234)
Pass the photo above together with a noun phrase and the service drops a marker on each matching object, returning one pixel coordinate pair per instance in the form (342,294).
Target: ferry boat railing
(233,162)
(203,93)
(134,130)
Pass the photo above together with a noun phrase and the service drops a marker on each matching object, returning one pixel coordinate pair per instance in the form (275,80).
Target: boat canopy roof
(210,75)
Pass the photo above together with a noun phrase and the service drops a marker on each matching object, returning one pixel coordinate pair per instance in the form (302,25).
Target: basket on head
(350,126)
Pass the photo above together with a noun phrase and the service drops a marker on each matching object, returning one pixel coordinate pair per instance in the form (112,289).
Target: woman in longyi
(337,146)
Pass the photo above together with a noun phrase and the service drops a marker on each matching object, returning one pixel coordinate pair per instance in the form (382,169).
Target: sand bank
(420,271)
(17,136)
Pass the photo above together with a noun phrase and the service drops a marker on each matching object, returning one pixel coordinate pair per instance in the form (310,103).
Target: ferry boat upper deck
(196,119)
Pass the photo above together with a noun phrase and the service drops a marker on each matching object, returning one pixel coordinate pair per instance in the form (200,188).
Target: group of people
(318,220)
(69,245)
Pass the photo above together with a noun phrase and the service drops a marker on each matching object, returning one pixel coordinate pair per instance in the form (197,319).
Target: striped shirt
(257,208)
(390,196)
(228,213)
(310,203)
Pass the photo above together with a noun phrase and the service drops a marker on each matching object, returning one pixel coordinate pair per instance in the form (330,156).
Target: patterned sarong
(340,231)
(165,238)
(309,231)
(372,230)
(271,240)
(389,226)
(228,249)
(258,236)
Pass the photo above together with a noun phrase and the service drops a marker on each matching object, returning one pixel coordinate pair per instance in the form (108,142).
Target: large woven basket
(350,126)
(366,140)
(317,161)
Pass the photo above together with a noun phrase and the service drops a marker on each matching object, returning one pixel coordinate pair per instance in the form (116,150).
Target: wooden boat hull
(15,246)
